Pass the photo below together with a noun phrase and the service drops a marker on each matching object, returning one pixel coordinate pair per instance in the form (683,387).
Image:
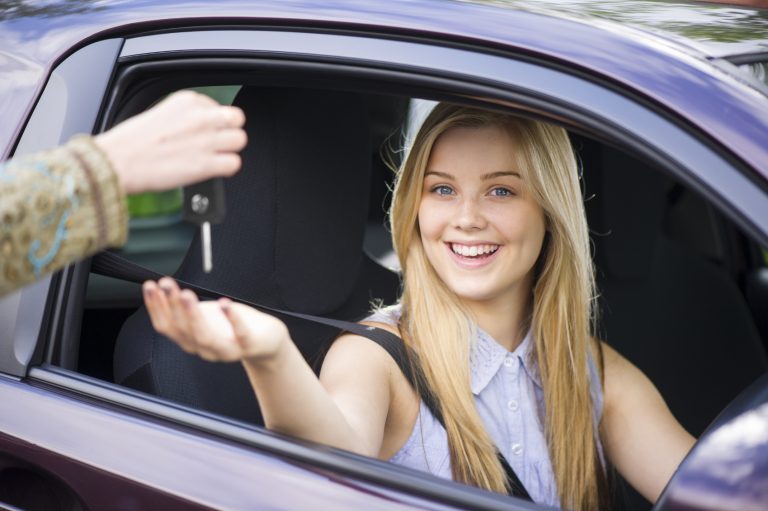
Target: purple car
(667,107)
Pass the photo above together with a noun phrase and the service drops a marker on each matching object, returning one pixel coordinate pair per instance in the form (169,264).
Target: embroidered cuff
(109,201)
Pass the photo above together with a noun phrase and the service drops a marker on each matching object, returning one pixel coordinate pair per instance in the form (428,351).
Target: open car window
(680,264)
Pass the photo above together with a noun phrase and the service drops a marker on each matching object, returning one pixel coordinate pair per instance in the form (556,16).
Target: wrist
(274,358)
(105,189)
(110,150)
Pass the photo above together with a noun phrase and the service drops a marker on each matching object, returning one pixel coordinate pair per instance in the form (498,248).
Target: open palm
(215,330)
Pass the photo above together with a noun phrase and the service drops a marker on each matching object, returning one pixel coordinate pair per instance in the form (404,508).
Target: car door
(86,444)
(109,444)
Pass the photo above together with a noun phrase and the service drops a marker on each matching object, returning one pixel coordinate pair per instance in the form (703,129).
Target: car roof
(577,33)
(711,29)
(716,30)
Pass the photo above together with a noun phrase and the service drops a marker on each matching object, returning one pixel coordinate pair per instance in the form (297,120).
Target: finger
(212,331)
(165,322)
(222,164)
(198,340)
(234,117)
(238,317)
(157,306)
(149,290)
(202,119)
(223,117)
(186,98)
(176,315)
(221,339)
(162,318)
(227,140)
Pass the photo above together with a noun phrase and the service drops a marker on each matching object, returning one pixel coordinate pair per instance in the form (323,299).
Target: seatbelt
(112,265)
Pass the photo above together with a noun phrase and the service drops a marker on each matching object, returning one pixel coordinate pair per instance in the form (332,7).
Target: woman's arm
(347,410)
(641,436)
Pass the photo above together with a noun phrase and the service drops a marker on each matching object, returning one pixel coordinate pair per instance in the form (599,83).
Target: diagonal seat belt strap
(112,265)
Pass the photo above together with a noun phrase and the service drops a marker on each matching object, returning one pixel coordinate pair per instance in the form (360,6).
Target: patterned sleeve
(57,207)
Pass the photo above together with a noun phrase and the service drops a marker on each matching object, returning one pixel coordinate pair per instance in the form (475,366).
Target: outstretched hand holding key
(186,138)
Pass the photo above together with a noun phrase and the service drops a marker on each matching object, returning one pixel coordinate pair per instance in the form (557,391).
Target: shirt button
(513,405)
(517,449)
(508,361)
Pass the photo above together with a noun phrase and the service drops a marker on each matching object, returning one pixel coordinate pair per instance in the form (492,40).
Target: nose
(469,216)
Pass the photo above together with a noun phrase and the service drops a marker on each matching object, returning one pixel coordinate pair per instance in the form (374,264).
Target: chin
(475,293)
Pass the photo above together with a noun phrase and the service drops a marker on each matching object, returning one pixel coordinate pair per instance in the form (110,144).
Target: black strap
(110,264)
(396,348)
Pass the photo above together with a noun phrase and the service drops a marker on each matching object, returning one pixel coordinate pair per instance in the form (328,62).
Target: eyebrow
(484,177)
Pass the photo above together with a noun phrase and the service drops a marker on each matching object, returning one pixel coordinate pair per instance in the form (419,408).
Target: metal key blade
(203,206)
(205,235)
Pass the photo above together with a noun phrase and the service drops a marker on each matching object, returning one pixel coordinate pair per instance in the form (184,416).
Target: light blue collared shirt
(510,401)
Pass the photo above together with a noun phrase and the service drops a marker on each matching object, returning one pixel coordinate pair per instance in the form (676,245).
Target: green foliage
(705,22)
(14,9)
(154,203)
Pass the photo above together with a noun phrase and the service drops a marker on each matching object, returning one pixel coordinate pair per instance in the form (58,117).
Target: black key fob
(204,202)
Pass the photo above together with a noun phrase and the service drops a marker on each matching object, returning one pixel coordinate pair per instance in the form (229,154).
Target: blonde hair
(562,310)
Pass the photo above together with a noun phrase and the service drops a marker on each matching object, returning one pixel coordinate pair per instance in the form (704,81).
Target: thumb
(237,314)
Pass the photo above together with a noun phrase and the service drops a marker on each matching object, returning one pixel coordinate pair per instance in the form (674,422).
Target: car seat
(667,304)
(292,239)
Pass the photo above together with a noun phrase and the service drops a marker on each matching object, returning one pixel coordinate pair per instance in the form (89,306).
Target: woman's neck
(504,320)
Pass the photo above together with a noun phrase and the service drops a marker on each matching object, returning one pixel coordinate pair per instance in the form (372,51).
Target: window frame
(518,82)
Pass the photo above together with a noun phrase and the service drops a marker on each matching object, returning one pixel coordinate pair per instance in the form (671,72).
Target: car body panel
(671,99)
(102,455)
(63,111)
(728,468)
(695,90)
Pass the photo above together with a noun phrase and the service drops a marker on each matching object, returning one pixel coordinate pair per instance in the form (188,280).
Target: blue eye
(442,190)
(502,192)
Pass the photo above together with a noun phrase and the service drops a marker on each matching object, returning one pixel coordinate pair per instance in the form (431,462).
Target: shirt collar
(487,357)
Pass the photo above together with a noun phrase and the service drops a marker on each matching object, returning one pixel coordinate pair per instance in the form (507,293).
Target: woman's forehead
(479,150)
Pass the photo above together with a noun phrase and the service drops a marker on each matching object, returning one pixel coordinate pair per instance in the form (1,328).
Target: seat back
(292,239)
(668,307)
(666,304)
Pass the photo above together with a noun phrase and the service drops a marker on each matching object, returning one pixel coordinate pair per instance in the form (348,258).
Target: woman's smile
(473,255)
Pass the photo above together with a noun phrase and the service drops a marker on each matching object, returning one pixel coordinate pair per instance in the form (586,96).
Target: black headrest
(633,200)
(302,195)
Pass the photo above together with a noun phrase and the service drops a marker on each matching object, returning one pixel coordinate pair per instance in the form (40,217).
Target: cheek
(524,224)
(428,221)
(537,230)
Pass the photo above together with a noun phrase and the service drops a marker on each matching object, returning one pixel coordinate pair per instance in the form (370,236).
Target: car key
(203,206)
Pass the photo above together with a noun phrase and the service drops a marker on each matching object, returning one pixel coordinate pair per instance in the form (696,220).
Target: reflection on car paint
(728,470)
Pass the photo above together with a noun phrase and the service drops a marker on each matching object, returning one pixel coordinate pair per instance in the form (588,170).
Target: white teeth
(474,250)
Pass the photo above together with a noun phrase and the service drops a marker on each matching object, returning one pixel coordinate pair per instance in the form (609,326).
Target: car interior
(681,287)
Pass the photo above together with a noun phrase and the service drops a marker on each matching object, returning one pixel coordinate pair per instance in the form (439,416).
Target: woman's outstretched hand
(215,330)
(349,413)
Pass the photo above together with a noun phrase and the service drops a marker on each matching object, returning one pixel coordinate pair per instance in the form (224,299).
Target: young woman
(489,226)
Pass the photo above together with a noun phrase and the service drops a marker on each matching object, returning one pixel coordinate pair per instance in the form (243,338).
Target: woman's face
(480,227)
